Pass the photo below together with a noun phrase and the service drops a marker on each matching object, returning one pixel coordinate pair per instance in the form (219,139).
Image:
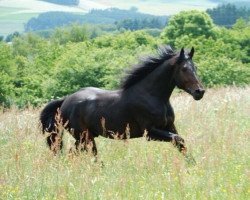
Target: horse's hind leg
(55,142)
(86,142)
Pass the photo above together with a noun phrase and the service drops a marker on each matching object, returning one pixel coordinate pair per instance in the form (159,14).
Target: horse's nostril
(200,91)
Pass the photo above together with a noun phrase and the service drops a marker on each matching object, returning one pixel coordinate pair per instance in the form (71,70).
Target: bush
(84,65)
(218,62)
(35,70)
(188,23)
(7,72)
(222,71)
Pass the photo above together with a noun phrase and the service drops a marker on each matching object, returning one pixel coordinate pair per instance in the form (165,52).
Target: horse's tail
(47,116)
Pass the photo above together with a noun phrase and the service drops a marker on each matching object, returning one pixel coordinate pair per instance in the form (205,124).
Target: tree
(73,33)
(7,72)
(240,24)
(191,23)
(227,14)
(11,36)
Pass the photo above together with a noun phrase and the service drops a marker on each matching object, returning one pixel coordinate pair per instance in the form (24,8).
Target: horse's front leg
(167,136)
(170,134)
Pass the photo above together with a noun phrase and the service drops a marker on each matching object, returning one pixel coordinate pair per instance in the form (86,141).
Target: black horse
(141,104)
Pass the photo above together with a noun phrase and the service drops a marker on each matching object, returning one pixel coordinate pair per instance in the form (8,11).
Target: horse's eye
(184,69)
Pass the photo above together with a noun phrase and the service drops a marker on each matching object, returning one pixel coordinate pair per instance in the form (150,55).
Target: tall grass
(216,129)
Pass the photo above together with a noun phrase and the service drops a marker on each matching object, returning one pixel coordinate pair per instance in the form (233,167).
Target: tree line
(117,20)
(35,69)
(128,19)
(227,14)
(224,15)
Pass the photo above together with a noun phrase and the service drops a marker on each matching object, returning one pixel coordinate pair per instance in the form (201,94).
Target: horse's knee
(179,143)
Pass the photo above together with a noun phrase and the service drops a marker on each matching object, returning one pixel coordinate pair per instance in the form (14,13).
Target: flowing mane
(146,66)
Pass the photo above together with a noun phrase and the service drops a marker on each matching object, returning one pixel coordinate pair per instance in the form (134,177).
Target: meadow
(216,130)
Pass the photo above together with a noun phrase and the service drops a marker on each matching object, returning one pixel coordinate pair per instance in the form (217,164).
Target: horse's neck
(160,83)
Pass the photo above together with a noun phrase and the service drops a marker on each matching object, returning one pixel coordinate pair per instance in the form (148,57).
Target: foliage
(127,40)
(227,14)
(51,20)
(11,36)
(223,71)
(189,23)
(96,64)
(218,62)
(34,58)
(135,24)
(7,72)
(36,69)
(74,33)
(119,14)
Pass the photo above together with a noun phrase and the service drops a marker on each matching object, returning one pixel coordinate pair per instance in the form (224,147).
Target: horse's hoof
(177,140)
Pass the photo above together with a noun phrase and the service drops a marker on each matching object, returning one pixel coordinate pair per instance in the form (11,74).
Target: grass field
(216,129)
(11,20)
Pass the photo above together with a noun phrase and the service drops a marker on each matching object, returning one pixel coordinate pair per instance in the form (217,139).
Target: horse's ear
(191,53)
(182,55)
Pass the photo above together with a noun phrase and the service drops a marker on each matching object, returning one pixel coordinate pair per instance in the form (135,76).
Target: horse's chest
(169,120)
(170,117)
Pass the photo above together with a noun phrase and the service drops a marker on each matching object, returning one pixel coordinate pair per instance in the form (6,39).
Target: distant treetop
(227,14)
(137,20)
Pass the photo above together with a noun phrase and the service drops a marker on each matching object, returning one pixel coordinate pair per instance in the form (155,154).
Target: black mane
(146,66)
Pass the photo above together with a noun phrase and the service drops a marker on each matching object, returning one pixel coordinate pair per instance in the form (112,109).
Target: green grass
(216,130)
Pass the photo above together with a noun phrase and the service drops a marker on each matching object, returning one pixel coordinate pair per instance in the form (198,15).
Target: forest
(227,14)
(128,19)
(35,70)
(223,15)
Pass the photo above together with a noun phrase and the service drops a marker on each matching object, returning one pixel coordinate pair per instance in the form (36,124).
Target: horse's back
(86,107)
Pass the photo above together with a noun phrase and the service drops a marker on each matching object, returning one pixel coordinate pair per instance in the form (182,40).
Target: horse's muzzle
(198,93)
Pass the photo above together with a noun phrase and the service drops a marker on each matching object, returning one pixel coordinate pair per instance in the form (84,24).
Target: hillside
(51,20)
(15,13)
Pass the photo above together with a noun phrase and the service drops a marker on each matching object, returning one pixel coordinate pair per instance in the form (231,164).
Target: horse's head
(186,76)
